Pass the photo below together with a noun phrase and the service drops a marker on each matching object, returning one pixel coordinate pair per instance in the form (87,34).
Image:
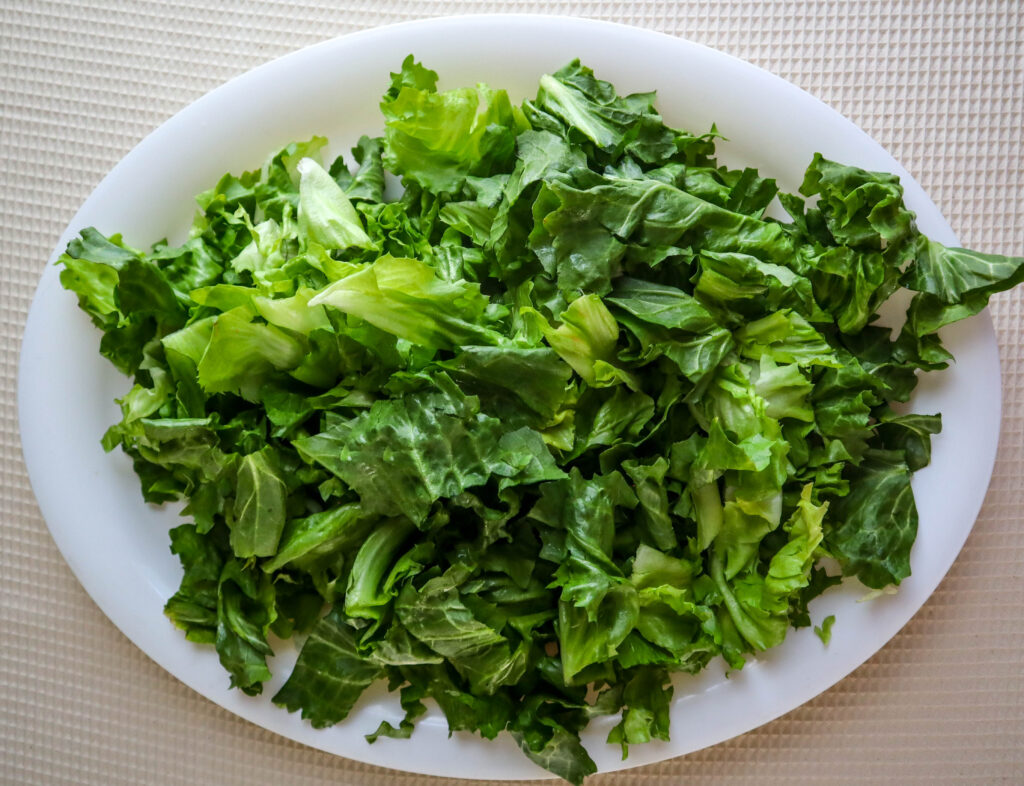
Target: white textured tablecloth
(940,84)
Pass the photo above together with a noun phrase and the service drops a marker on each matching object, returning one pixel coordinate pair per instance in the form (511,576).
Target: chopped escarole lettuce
(568,416)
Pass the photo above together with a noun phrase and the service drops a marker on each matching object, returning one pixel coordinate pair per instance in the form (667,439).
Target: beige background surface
(940,84)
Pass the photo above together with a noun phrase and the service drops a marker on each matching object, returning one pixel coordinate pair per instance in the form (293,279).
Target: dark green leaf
(330,674)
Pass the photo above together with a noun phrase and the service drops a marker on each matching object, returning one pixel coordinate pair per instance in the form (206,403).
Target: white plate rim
(420,754)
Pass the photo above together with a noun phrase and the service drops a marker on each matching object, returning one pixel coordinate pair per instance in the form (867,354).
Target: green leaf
(819,582)
(403,454)
(825,631)
(585,340)
(330,674)
(860,208)
(245,611)
(742,287)
(509,376)
(367,184)
(319,535)
(959,277)
(646,716)
(583,229)
(404,297)
(193,608)
(662,305)
(911,434)
(436,615)
(611,419)
(259,506)
(758,605)
(598,606)
(589,110)
(785,390)
(562,754)
(876,524)
(439,139)
(326,215)
(366,594)
(242,354)
(785,337)
(649,480)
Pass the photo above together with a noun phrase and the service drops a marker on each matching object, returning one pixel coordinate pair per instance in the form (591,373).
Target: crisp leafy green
(330,675)
(567,417)
(824,631)
(259,506)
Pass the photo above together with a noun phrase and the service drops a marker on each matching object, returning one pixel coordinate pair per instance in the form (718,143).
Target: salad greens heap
(567,416)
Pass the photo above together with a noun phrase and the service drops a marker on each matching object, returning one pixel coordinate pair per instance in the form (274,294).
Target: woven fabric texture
(938,83)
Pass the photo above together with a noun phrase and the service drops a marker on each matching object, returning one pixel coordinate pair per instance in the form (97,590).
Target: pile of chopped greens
(568,413)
